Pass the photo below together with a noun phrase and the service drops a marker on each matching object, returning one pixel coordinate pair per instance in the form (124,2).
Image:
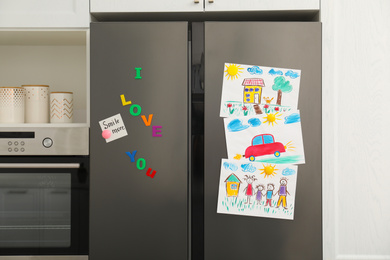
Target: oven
(44,194)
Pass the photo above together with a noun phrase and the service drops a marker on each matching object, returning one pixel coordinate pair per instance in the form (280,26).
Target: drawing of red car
(262,145)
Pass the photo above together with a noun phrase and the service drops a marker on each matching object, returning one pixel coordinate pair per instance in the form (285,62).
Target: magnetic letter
(131,155)
(147,123)
(138,73)
(132,110)
(124,102)
(156,129)
(151,175)
(139,161)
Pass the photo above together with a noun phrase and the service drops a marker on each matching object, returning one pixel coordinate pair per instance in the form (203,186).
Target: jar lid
(61,92)
(46,86)
(12,87)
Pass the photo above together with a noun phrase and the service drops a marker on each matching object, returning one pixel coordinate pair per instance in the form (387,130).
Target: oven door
(44,204)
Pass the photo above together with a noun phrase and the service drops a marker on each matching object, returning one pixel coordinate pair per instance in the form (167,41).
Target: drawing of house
(232,185)
(252,90)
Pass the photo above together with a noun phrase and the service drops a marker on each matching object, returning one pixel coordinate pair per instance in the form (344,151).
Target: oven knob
(47,142)
(10,143)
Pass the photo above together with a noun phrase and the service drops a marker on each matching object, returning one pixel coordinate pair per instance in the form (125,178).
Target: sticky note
(115,125)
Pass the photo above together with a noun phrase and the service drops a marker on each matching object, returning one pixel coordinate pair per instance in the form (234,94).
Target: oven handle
(40,165)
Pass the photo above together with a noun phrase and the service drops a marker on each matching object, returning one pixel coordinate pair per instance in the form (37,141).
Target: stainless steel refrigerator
(154,189)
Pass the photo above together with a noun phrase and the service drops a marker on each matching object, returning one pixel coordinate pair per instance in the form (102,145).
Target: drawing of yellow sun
(233,71)
(271,118)
(289,146)
(268,170)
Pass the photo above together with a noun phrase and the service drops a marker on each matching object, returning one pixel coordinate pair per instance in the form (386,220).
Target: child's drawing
(249,191)
(232,185)
(257,194)
(272,138)
(283,192)
(249,90)
(270,194)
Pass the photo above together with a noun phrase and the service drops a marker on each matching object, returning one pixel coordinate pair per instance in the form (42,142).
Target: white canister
(12,105)
(37,103)
(61,107)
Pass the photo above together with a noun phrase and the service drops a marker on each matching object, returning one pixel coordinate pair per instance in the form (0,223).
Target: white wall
(356,129)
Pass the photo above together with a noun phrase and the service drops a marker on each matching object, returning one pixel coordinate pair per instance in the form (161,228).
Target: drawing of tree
(281,85)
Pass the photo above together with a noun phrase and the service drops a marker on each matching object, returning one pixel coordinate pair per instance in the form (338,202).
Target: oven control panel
(44,141)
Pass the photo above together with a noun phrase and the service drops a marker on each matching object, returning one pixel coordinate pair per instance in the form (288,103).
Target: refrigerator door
(140,71)
(293,45)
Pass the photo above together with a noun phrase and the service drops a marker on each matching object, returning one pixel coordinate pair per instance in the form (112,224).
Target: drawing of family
(259,192)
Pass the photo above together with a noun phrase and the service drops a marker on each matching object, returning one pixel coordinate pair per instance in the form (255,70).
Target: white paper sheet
(271,138)
(250,89)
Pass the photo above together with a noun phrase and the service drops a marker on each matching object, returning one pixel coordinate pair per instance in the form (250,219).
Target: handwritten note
(115,125)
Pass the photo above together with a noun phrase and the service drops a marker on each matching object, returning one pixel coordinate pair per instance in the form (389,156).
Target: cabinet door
(264,5)
(122,6)
(44,13)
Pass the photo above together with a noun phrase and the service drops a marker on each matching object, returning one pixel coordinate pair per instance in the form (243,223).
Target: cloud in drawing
(293,118)
(292,74)
(236,125)
(230,166)
(274,72)
(248,167)
(255,70)
(254,122)
(288,172)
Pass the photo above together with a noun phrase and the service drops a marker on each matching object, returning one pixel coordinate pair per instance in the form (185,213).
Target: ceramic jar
(37,103)
(12,105)
(61,107)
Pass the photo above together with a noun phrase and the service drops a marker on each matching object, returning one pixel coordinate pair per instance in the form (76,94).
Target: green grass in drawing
(281,160)
(233,204)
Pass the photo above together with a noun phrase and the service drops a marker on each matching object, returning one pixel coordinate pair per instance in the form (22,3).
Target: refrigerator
(155,176)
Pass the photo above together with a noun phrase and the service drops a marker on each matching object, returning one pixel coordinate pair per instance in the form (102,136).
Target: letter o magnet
(139,162)
(132,107)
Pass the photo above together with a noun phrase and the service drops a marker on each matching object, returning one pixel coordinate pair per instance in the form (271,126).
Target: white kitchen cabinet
(125,6)
(55,57)
(44,13)
(260,5)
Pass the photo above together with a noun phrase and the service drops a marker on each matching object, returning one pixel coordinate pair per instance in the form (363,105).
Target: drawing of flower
(265,107)
(276,108)
(245,109)
(231,110)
